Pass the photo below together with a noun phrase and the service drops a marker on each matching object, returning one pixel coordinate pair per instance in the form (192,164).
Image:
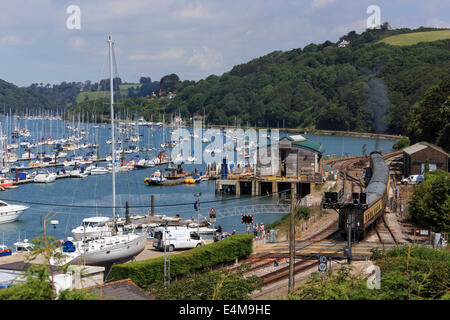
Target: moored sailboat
(118,247)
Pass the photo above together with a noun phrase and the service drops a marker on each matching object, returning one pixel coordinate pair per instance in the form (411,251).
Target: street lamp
(54,223)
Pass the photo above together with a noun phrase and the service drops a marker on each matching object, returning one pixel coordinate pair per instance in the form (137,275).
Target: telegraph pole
(292,240)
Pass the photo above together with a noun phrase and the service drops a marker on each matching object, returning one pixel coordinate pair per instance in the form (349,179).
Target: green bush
(430,203)
(303,212)
(401,144)
(406,273)
(424,274)
(145,272)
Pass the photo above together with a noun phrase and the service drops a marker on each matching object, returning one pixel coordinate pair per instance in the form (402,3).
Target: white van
(414,179)
(176,238)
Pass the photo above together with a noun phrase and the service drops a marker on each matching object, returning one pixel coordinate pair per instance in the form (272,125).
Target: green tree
(430,202)
(402,143)
(432,116)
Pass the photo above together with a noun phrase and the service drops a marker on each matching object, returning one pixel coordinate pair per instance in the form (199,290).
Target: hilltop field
(92,95)
(416,37)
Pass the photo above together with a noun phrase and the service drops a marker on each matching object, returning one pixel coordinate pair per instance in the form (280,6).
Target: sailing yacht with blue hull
(104,250)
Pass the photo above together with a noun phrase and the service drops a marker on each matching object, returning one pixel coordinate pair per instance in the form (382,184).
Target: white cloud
(358,26)
(194,12)
(78,43)
(318,4)
(170,54)
(206,59)
(10,40)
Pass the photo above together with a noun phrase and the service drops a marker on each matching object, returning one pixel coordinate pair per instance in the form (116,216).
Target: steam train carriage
(369,206)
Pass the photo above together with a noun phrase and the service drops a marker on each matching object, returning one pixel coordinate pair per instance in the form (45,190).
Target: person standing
(255,230)
(261,229)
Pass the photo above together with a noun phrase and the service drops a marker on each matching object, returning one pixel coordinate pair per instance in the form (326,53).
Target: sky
(47,41)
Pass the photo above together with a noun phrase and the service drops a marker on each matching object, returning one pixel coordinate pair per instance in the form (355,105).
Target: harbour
(85,197)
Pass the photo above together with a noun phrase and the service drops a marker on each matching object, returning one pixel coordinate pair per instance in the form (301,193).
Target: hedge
(145,272)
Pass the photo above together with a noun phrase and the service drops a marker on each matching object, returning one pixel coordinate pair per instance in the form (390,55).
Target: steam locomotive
(365,208)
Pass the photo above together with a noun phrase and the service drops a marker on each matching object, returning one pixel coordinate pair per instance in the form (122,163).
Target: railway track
(283,272)
(260,262)
(383,232)
(389,229)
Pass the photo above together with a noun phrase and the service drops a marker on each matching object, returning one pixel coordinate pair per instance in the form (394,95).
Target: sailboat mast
(113,147)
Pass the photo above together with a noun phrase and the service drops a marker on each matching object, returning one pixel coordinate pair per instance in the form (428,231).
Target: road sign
(323,263)
(212,214)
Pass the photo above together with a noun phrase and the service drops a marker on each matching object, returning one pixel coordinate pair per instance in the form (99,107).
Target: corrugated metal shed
(414,148)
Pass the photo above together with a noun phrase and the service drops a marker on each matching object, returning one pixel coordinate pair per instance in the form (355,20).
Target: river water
(96,191)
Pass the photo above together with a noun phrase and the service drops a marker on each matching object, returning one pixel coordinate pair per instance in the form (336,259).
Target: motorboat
(4,251)
(145,163)
(5,182)
(155,179)
(10,213)
(44,176)
(78,172)
(99,171)
(93,227)
(23,246)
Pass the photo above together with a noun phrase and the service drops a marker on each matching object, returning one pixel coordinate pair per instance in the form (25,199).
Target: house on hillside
(343,44)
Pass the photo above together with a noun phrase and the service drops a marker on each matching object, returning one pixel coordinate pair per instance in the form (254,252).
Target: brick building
(415,156)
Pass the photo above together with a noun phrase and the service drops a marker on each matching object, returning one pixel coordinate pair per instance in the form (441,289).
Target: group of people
(258,230)
(219,235)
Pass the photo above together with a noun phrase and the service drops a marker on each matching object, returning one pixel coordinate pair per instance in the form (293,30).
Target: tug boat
(155,179)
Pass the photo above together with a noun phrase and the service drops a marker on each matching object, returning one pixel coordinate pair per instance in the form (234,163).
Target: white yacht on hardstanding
(119,247)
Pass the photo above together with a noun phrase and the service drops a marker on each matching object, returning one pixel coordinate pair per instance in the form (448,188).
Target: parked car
(176,238)
(414,179)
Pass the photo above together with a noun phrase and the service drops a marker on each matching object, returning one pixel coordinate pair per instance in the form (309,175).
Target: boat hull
(11,215)
(118,253)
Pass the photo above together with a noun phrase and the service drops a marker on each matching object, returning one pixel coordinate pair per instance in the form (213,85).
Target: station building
(415,157)
(296,164)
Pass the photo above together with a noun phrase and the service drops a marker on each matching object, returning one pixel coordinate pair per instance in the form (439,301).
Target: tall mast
(113,147)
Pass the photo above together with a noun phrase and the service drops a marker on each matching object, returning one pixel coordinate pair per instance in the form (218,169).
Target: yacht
(78,172)
(44,176)
(99,171)
(102,251)
(5,251)
(119,247)
(10,213)
(5,182)
(23,246)
(93,227)
(145,163)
